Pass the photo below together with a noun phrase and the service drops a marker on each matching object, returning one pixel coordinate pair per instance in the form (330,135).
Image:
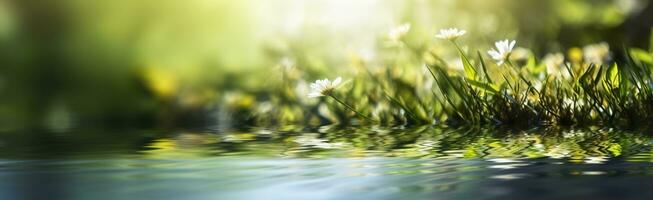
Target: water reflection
(326,163)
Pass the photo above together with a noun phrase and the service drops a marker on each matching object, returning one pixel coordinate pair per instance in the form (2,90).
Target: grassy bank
(416,84)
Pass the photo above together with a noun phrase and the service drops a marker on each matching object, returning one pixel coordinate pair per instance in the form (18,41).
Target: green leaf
(532,65)
(613,75)
(470,71)
(480,59)
(641,55)
(485,86)
(586,74)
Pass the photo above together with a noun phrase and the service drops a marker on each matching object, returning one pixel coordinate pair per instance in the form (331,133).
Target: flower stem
(460,50)
(351,108)
(509,62)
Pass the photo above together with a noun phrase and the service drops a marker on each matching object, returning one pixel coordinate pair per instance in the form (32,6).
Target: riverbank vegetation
(508,85)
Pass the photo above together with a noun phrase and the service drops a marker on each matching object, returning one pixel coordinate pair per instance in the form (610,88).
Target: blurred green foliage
(70,63)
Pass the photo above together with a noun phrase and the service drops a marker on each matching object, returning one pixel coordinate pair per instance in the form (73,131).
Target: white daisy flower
(503,50)
(450,34)
(554,63)
(323,87)
(596,53)
(398,32)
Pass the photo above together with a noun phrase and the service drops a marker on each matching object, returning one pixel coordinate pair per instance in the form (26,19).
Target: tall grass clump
(414,82)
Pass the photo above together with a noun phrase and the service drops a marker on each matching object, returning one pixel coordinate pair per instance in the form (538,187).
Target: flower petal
(315,94)
(336,82)
(494,54)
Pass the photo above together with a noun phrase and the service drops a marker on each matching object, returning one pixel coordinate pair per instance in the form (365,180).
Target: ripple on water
(332,163)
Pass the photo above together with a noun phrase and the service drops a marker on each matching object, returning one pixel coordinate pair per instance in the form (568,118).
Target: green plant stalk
(470,71)
(411,115)
(351,108)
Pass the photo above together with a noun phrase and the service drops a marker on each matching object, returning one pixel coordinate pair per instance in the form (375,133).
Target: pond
(326,163)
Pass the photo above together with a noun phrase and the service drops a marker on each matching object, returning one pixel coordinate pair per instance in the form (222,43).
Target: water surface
(326,163)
